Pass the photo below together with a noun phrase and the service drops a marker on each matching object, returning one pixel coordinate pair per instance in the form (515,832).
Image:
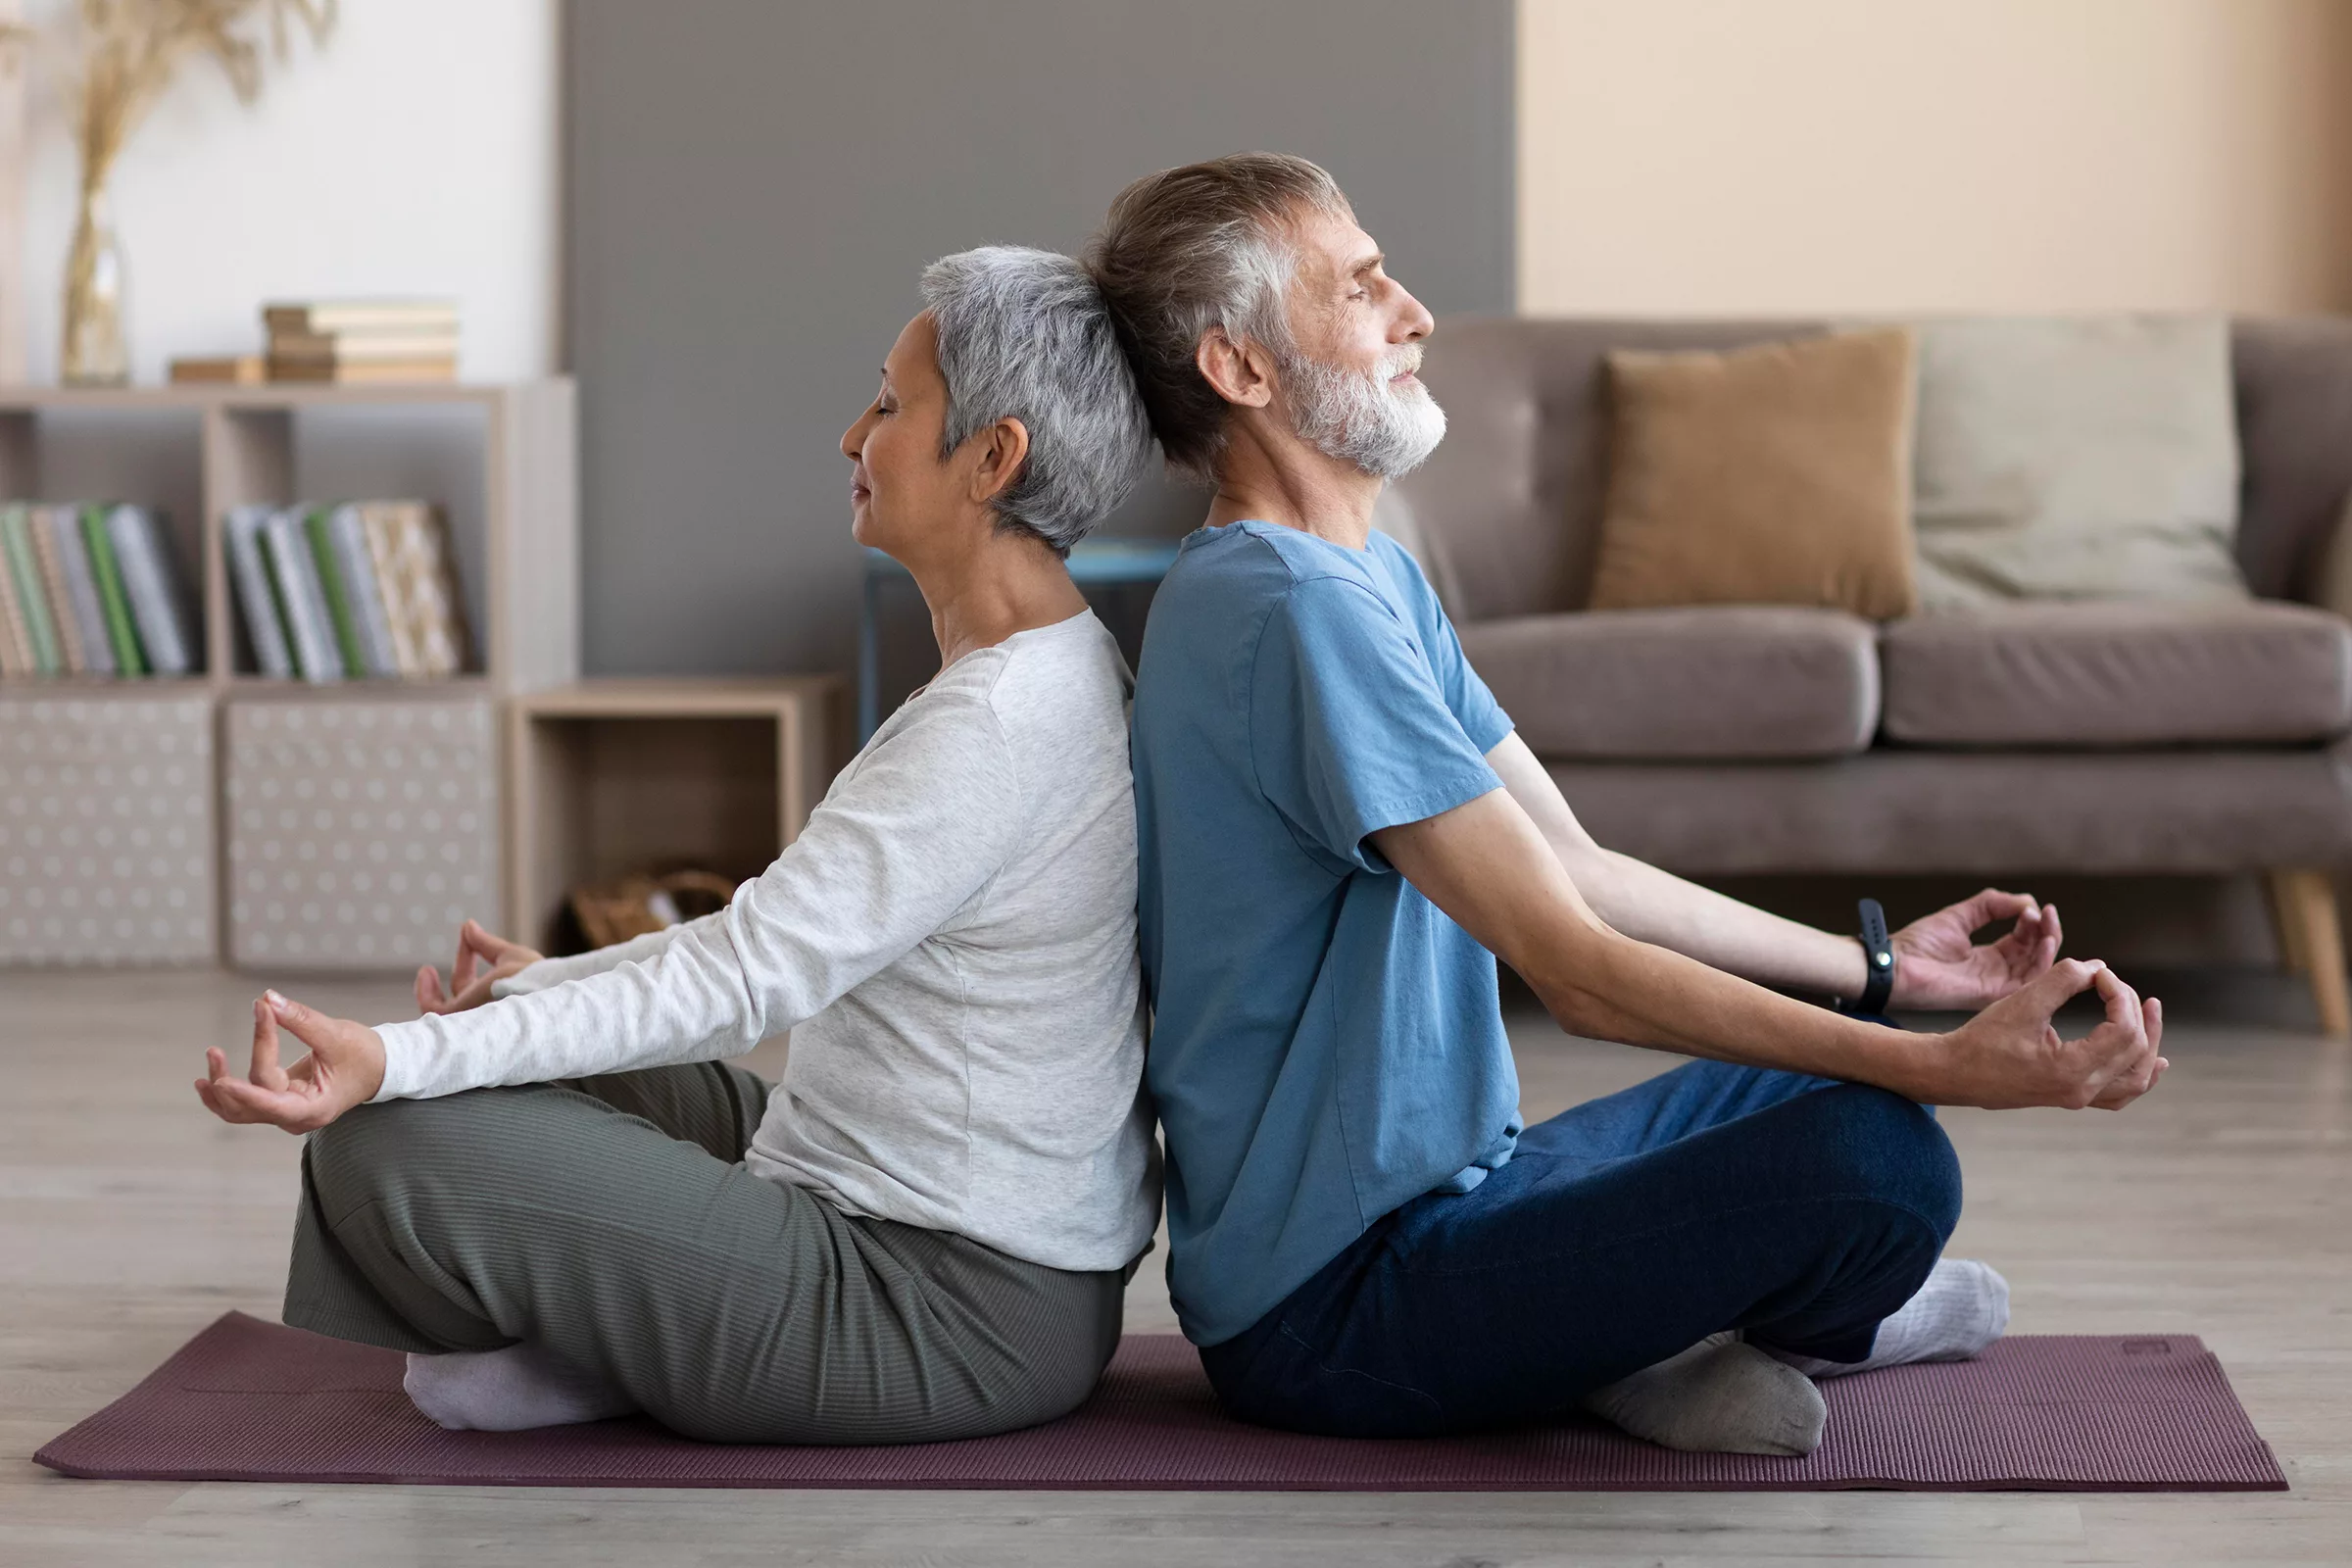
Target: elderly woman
(566,1208)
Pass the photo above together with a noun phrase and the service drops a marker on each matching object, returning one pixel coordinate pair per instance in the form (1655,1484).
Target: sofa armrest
(2331,585)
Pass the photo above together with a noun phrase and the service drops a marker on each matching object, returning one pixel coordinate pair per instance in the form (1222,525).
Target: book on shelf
(219,369)
(32,595)
(310,631)
(257,591)
(354,590)
(71,652)
(363,348)
(128,657)
(79,605)
(16,643)
(158,610)
(363,372)
(377,316)
(91,589)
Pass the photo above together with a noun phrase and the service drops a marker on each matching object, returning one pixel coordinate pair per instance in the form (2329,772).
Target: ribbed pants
(611,1220)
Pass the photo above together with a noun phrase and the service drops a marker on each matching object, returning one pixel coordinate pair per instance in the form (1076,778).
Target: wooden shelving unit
(341,822)
(616,776)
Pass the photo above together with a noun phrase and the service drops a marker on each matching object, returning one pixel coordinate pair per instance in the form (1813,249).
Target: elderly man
(1340,832)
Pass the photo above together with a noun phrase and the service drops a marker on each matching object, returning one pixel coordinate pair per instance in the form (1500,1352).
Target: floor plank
(2222,1206)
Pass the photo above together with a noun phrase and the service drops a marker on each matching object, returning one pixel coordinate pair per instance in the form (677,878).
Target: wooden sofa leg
(2313,940)
(2291,957)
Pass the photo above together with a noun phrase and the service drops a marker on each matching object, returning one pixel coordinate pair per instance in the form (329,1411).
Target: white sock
(1718,1397)
(520,1386)
(1962,1308)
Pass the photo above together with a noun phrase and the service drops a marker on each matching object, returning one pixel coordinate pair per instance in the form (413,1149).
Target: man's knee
(1880,1146)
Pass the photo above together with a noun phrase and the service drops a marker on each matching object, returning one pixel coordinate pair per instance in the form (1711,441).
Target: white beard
(1356,416)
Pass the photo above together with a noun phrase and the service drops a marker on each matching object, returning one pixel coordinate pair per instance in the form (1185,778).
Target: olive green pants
(611,1220)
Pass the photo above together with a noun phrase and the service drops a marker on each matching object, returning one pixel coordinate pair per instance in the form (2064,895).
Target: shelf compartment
(614,777)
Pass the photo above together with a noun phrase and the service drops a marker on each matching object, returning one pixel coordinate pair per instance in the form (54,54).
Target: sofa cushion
(1774,474)
(2118,674)
(1710,682)
(2092,456)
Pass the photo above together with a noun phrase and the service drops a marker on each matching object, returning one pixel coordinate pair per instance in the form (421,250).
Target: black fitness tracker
(1878,957)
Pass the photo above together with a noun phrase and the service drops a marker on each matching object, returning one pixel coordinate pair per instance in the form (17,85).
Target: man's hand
(1937,964)
(345,1068)
(2010,1055)
(483,960)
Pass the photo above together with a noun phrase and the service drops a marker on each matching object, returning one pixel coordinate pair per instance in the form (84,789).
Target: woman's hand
(1939,965)
(2010,1054)
(345,1068)
(468,983)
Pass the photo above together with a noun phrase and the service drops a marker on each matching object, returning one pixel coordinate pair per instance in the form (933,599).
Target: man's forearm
(1611,986)
(1659,908)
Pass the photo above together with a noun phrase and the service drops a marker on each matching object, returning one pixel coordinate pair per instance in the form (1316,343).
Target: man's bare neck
(1282,480)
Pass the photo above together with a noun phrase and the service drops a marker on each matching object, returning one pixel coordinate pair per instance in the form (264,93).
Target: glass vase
(95,350)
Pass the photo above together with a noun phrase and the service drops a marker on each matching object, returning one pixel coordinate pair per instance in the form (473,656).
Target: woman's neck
(1009,583)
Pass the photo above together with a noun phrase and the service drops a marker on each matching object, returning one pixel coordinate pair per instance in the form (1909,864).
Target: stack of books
(88,589)
(363,341)
(357,590)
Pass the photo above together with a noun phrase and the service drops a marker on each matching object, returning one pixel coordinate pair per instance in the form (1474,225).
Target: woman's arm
(889,857)
(1936,964)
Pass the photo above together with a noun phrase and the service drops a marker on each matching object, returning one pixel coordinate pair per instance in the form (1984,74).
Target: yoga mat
(249,1400)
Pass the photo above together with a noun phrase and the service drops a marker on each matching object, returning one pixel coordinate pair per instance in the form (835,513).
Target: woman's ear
(1241,373)
(1003,448)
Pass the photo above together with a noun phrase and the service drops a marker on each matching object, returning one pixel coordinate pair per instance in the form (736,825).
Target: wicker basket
(615,912)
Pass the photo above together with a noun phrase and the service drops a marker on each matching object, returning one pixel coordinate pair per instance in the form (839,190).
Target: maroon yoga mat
(248,1401)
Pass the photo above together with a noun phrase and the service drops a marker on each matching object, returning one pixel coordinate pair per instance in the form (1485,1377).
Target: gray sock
(509,1389)
(1963,1308)
(1718,1397)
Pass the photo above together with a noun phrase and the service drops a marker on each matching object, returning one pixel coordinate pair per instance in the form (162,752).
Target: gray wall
(752,188)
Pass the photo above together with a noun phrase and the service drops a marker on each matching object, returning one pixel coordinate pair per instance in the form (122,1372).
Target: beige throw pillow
(1776,474)
(2075,457)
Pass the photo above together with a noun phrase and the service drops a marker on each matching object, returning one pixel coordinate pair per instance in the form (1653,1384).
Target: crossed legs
(1798,1210)
(611,1225)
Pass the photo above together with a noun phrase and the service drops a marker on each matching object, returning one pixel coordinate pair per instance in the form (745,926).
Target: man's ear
(1003,448)
(1241,373)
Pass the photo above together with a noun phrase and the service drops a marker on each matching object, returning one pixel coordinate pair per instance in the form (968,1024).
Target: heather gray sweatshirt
(951,942)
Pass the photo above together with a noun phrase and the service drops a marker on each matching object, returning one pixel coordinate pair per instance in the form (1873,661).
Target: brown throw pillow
(1778,475)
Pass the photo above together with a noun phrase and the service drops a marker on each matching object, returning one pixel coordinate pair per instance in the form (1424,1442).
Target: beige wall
(1727,156)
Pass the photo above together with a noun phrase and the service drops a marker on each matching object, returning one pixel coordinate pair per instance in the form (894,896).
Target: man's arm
(1936,964)
(1488,866)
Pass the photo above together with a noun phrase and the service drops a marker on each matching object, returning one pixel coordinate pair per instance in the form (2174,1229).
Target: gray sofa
(2057,738)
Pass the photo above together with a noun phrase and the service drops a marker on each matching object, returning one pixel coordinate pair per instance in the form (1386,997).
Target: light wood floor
(2222,1206)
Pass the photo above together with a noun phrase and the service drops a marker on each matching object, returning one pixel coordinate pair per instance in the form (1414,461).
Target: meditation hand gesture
(345,1068)
(1939,965)
(2011,1056)
(468,985)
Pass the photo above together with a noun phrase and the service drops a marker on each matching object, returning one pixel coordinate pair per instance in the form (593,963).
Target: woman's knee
(385,1150)
(1888,1148)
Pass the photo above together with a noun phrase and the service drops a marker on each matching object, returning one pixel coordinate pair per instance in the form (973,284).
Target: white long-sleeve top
(952,940)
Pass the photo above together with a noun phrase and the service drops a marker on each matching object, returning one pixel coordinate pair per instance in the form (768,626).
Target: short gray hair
(1203,246)
(1025,335)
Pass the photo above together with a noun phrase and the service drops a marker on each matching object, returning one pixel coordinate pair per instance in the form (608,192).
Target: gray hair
(1203,246)
(1025,335)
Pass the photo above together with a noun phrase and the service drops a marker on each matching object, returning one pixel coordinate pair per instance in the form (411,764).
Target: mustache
(1402,360)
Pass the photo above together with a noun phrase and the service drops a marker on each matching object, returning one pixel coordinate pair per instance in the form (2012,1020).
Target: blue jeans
(1801,1210)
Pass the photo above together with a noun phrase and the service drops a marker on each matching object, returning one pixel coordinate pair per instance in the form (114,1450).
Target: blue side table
(1098,563)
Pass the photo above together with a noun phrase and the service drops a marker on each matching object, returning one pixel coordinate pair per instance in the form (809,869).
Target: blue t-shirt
(1327,1045)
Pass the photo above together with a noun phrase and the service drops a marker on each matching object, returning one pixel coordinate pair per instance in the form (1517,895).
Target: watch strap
(1878,959)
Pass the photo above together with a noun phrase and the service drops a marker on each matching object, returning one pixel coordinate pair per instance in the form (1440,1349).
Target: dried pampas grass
(132,49)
